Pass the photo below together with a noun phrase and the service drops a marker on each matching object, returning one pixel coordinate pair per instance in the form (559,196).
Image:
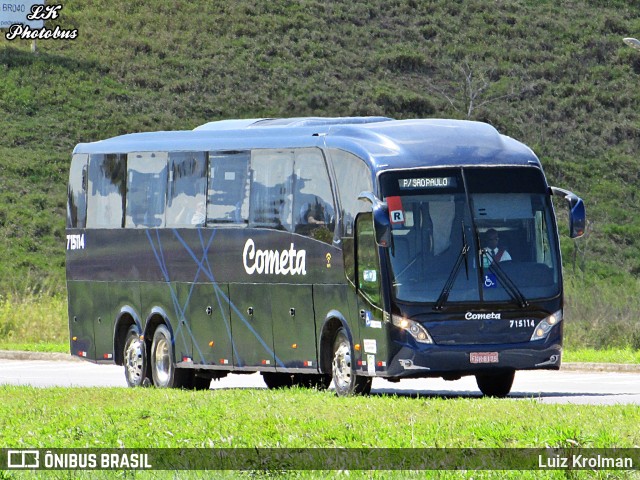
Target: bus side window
(146,189)
(270,204)
(368,264)
(187,188)
(106,187)
(314,213)
(228,200)
(77,192)
(352,177)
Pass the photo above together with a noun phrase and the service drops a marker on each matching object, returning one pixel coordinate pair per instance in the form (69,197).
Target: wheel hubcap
(162,361)
(342,365)
(134,361)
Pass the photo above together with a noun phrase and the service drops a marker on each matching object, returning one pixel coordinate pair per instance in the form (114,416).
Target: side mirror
(381,221)
(577,212)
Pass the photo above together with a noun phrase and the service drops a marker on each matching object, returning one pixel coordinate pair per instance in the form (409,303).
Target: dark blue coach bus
(312,249)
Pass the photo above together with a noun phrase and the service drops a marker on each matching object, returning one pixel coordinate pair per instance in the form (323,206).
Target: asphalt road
(577,387)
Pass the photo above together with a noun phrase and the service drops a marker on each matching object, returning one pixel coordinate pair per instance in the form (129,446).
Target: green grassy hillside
(555,75)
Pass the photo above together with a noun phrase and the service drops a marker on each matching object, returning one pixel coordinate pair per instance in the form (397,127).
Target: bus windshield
(487,236)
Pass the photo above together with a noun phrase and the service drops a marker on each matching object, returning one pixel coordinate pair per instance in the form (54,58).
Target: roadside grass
(36,347)
(609,355)
(601,314)
(298,418)
(36,322)
(329,474)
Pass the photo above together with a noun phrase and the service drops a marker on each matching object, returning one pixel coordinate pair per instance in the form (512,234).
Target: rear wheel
(135,359)
(495,384)
(163,369)
(345,379)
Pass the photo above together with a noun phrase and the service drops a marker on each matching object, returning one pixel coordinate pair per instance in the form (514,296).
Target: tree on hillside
(469,87)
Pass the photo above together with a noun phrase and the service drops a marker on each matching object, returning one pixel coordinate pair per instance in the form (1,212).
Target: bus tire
(163,369)
(134,356)
(496,384)
(345,380)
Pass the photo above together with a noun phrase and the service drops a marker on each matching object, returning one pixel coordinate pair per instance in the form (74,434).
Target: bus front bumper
(454,361)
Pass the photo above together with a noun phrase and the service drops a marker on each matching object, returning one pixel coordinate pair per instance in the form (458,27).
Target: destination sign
(430,182)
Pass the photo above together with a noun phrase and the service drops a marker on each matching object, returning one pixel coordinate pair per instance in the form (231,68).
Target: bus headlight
(417,331)
(544,327)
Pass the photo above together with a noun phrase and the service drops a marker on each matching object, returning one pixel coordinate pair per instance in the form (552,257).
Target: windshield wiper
(511,288)
(448,286)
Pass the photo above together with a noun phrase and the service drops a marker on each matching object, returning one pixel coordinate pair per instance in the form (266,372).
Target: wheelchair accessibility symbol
(490,281)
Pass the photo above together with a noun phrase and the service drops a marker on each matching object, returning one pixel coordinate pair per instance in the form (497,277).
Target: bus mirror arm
(381,221)
(577,212)
(369,197)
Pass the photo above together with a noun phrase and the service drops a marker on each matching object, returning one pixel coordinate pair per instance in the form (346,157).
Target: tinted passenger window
(106,191)
(77,192)
(353,176)
(187,188)
(271,188)
(146,189)
(313,210)
(228,200)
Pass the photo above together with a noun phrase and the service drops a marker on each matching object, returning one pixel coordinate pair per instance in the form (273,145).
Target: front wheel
(496,384)
(163,369)
(345,379)
(135,359)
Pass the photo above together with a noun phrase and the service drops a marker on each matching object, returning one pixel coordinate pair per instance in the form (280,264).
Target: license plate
(483,357)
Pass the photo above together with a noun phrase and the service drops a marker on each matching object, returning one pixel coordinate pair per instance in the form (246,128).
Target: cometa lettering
(482,316)
(273,262)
